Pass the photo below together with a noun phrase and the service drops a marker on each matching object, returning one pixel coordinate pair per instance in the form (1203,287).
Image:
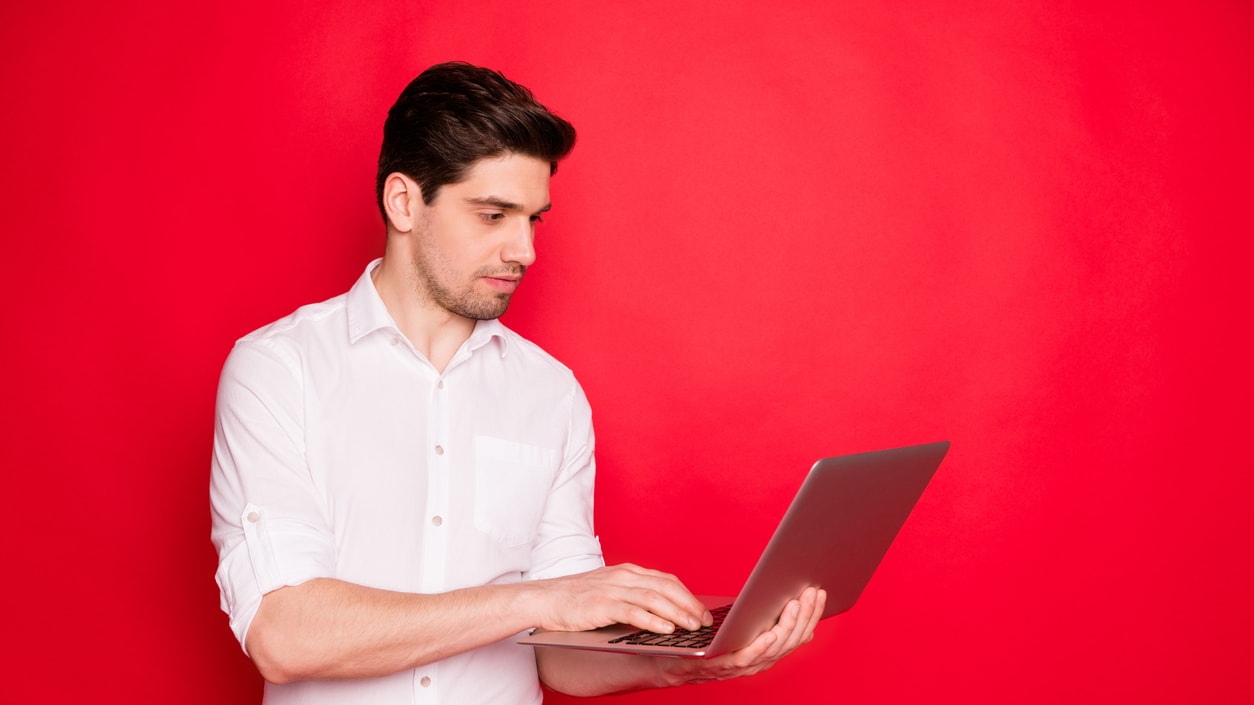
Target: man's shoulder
(529,353)
(302,326)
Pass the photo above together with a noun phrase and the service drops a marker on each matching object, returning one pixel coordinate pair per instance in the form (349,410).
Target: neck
(434,331)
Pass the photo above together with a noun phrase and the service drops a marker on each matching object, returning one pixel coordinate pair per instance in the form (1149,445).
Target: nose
(520,247)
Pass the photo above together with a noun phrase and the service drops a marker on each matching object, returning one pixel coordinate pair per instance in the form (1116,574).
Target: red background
(786,232)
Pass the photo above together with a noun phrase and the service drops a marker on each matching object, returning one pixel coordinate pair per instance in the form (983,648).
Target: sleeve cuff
(578,554)
(275,553)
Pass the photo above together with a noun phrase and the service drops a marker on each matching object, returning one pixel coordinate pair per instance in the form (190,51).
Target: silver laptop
(837,529)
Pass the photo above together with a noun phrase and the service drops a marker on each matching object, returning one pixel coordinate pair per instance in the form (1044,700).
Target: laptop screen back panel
(834,535)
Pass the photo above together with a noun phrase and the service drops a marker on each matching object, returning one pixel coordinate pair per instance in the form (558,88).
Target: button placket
(435,542)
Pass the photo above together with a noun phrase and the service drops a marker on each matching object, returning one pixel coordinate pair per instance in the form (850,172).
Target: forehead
(512,178)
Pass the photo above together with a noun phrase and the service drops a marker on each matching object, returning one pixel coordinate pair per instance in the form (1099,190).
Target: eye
(537,219)
(492,217)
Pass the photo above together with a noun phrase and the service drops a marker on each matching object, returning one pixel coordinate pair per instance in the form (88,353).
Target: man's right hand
(626,593)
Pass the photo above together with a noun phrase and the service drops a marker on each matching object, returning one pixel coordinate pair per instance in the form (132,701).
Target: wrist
(671,672)
(529,603)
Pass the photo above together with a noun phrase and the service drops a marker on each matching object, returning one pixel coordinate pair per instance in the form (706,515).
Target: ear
(402,201)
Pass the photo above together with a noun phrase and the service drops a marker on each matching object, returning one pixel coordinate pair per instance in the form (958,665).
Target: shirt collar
(486,332)
(367,313)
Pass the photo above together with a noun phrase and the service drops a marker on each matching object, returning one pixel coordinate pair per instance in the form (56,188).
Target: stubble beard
(464,301)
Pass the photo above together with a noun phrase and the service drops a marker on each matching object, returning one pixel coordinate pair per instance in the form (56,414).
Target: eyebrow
(495,202)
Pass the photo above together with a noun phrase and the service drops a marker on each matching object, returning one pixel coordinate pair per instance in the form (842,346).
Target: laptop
(834,534)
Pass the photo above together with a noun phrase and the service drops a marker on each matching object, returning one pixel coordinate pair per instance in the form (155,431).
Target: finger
(644,618)
(814,601)
(663,595)
(659,594)
(795,626)
(820,604)
(750,656)
(624,593)
(679,607)
(785,630)
(802,620)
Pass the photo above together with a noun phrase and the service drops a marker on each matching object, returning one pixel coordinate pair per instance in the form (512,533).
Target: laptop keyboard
(682,638)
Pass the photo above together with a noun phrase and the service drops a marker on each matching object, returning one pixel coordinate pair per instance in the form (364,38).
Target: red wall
(787,231)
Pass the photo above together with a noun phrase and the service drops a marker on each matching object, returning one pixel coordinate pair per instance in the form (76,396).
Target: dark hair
(455,114)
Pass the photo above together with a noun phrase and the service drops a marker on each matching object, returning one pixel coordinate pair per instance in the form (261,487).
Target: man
(402,486)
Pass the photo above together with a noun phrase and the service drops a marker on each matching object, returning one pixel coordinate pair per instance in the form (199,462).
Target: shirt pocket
(512,482)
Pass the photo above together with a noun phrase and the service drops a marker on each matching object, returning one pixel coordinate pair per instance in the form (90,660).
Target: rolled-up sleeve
(566,543)
(270,526)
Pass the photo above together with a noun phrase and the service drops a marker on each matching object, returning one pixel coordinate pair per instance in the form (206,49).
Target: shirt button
(440,384)
(437,520)
(425,682)
(253,517)
(439,450)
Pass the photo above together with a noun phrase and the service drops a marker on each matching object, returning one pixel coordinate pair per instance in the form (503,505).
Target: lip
(505,285)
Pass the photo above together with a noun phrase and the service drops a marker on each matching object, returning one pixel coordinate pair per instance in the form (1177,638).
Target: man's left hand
(795,627)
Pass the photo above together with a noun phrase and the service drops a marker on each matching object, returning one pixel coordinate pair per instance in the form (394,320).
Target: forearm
(584,673)
(330,629)
(589,673)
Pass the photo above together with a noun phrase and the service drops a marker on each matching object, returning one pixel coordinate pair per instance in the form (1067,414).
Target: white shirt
(341,452)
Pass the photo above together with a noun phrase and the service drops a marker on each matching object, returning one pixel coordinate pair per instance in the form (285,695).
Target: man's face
(476,239)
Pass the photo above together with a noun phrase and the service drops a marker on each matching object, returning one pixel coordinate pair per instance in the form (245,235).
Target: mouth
(504,283)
